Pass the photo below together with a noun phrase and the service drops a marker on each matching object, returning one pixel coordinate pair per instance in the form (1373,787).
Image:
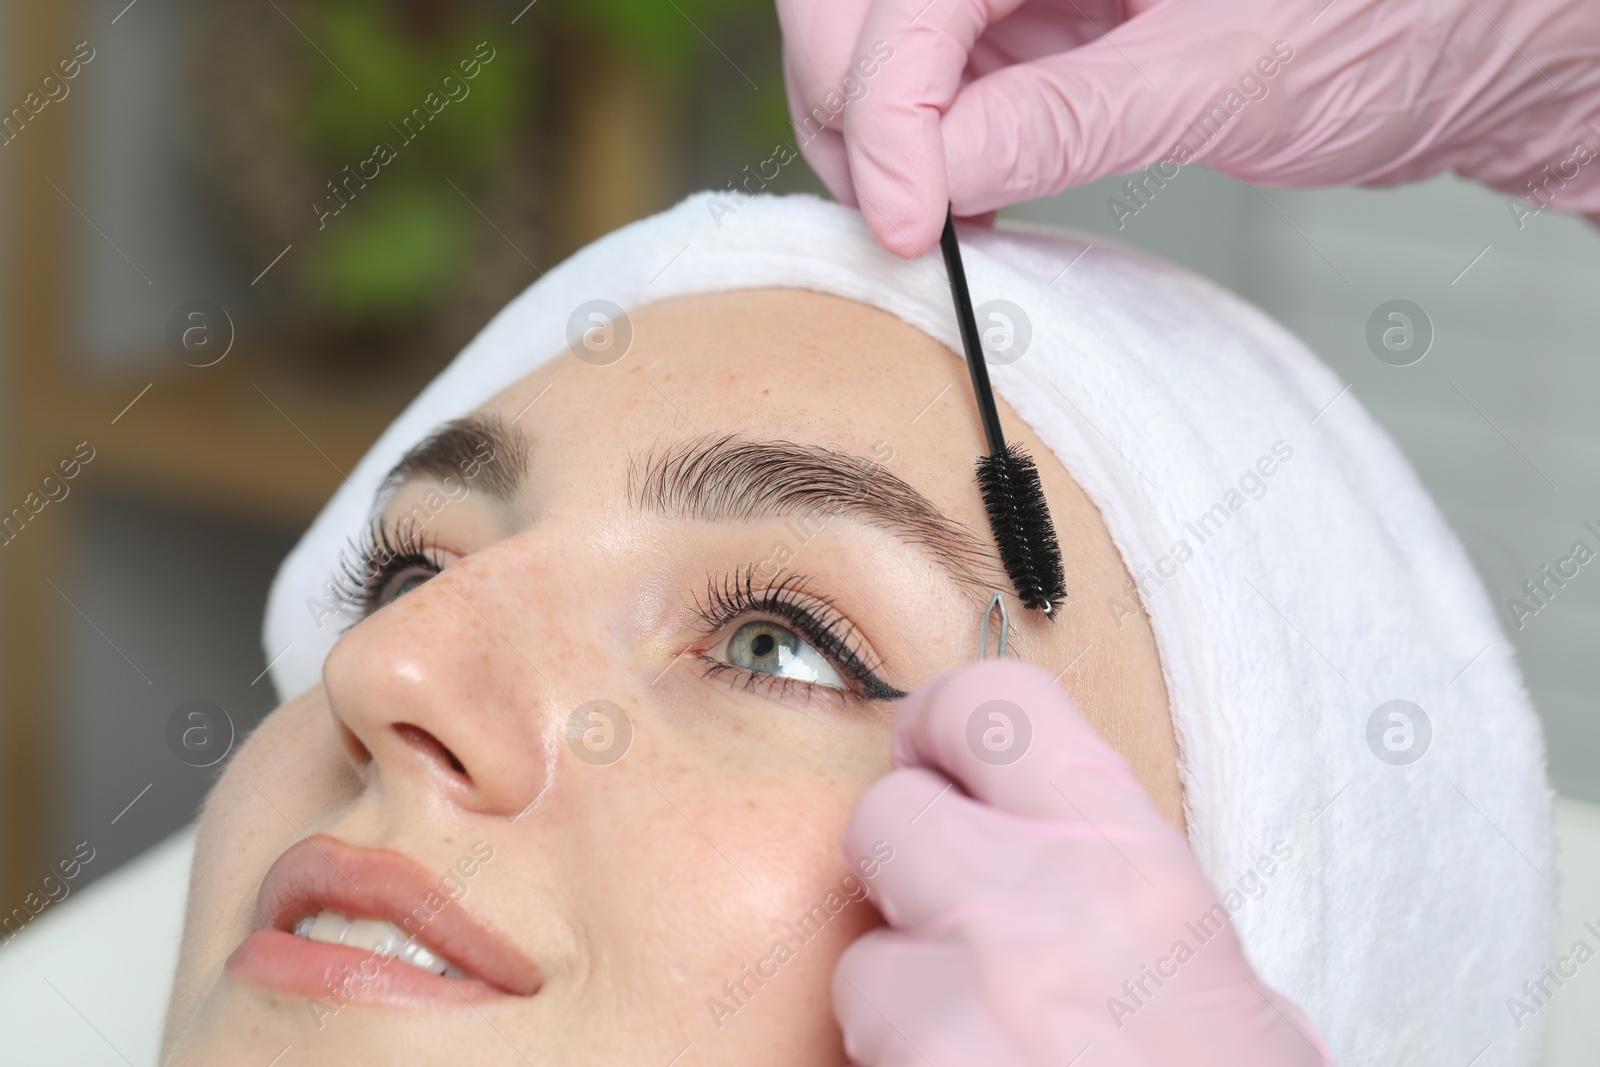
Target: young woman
(589,663)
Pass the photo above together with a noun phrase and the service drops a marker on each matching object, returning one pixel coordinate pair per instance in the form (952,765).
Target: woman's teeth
(377,936)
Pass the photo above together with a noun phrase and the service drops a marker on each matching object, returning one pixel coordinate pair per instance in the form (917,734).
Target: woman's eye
(770,648)
(398,585)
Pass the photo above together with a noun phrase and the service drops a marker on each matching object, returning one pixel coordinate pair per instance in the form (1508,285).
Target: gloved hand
(987,103)
(1036,908)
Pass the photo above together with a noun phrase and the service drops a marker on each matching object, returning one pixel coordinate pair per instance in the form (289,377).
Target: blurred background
(207,159)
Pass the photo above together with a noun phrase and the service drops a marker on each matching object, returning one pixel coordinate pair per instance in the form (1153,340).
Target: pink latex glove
(987,103)
(1023,898)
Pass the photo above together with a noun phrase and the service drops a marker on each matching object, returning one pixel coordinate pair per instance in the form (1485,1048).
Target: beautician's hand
(992,102)
(1029,903)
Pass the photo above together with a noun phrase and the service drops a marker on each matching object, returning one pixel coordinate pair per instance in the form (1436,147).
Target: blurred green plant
(685,45)
(390,257)
(667,35)
(389,260)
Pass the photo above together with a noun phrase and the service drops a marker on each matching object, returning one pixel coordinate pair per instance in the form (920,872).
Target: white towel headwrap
(1416,898)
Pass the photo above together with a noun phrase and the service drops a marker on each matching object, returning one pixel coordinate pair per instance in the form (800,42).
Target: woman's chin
(248,1024)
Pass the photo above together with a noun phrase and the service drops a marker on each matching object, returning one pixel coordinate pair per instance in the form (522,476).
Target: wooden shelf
(244,437)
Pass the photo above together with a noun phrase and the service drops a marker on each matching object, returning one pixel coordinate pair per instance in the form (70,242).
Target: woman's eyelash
(368,563)
(812,616)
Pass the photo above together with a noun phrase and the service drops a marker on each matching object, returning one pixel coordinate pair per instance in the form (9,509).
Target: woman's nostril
(421,739)
(357,752)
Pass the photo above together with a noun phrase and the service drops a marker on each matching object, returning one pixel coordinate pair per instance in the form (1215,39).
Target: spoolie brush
(1012,493)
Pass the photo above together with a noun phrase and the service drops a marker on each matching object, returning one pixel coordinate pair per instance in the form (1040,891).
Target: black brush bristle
(1012,492)
(1014,498)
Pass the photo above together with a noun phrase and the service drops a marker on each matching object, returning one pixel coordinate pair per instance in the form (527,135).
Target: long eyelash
(812,615)
(366,563)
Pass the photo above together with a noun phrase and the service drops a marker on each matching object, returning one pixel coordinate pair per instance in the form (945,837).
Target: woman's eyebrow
(493,455)
(721,479)
(731,478)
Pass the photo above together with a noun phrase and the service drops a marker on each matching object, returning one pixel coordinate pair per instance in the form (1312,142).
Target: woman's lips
(338,974)
(323,874)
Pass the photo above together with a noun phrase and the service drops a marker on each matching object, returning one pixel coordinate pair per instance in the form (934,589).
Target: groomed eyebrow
(729,478)
(498,454)
(726,478)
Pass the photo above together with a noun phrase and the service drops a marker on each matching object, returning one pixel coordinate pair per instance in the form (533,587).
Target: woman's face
(621,680)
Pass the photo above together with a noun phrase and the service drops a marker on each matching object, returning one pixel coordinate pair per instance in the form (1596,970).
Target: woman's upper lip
(322,873)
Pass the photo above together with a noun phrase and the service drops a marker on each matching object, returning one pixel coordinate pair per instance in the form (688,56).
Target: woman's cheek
(289,769)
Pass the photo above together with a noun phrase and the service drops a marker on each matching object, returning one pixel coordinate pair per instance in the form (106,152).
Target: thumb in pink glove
(1041,911)
(987,103)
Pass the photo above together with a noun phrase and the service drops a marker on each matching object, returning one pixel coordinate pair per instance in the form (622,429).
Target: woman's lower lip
(336,975)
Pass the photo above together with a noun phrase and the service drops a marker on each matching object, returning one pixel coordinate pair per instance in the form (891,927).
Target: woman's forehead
(739,406)
(788,363)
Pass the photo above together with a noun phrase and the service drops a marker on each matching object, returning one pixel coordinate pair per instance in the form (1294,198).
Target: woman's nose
(441,692)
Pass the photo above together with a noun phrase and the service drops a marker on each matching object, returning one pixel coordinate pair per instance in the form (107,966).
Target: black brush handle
(970,339)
